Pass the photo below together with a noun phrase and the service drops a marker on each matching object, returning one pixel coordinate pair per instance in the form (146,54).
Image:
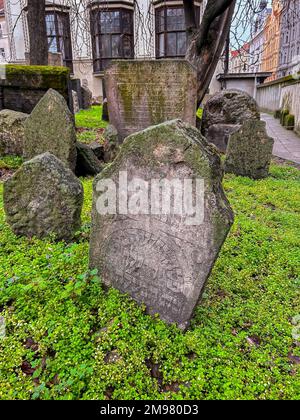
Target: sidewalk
(287,143)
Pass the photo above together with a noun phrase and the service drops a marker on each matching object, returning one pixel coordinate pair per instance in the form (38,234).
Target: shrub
(289,121)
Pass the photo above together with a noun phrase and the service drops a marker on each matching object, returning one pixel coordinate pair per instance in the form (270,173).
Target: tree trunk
(36,19)
(207,44)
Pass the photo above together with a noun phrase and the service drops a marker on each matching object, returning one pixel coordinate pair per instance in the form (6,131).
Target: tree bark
(38,54)
(206,46)
(190,18)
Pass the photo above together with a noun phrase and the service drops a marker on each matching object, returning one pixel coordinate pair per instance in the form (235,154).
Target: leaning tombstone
(249,151)
(159,219)
(51,128)
(43,198)
(87,162)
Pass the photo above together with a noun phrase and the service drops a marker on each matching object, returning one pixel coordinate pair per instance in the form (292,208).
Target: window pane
(181,43)
(97,47)
(110,22)
(60,25)
(127,22)
(52,45)
(105,46)
(127,47)
(161,45)
(50,24)
(161,20)
(115,45)
(171,44)
(175,19)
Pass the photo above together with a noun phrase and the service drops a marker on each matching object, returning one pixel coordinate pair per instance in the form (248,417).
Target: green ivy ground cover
(65,338)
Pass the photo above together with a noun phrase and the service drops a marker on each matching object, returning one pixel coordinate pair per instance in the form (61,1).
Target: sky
(244,17)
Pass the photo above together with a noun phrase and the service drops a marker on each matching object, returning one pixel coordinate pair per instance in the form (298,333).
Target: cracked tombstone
(43,198)
(158,251)
(51,128)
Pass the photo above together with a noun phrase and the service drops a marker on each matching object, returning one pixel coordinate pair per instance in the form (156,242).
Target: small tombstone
(105,116)
(141,93)
(159,252)
(87,161)
(50,128)
(43,197)
(12,132)
(87,96)
(219,134)
(229,107)
(249,151)
(75,100)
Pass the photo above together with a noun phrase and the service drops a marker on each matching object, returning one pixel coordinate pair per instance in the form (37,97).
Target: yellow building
(270,56)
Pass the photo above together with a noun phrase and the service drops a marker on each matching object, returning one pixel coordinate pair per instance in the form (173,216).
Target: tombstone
(43,198)
(51,128)
(145,93)
(229,107)
(76,108)
(218,134)
(105,116)
(86,95)
(161,258)
(12,132)
(249,151)
(87,162)
(76,86)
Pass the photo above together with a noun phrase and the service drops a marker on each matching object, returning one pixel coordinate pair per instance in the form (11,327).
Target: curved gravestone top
(159,252)
(148,92)
(230,106)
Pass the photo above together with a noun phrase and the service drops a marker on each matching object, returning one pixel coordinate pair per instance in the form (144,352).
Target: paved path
(287,143)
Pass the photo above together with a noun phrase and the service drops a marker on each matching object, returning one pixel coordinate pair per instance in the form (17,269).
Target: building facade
(4,44)
(239,61)
(88,34)
(257,43)
(272,32)
(289,56)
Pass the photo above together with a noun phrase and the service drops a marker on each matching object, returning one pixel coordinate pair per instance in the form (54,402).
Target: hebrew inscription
(160,260)
(144,93)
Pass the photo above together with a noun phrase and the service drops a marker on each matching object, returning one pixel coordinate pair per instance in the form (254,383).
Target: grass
(61,327)
(10,162)
(90,118)
(90,125)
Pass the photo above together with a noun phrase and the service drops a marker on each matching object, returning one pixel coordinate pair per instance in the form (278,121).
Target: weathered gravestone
(144,93)
(51,128)
(229,107)
(249,151)
(219,134)
(87,161)
(12,132)
(161,258)
(43,197)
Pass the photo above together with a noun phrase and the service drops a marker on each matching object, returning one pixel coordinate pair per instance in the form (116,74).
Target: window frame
(166,31)
(100,61)
(65,37)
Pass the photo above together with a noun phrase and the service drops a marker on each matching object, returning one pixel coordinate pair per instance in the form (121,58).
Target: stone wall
(281,94)
(144,93)
(24,86)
